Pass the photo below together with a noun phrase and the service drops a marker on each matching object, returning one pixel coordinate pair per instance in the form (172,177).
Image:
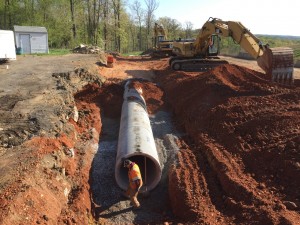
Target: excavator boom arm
(159,30)
(276,62)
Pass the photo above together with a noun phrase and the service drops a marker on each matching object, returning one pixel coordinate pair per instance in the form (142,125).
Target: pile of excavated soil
(245,131)
(110,96)
(152,94)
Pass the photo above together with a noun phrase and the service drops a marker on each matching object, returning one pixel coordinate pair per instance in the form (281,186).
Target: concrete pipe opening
(136,141)
(150,170)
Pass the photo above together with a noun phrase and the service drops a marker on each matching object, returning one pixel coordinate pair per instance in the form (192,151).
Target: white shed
(31,39)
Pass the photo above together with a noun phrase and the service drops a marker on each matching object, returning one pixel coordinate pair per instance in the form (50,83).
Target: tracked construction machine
(201,54)
(162,47)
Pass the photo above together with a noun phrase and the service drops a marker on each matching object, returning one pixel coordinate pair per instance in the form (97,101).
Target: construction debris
(86,49)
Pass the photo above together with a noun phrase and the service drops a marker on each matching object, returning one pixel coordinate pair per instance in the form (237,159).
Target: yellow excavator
(201,54)
(162,46)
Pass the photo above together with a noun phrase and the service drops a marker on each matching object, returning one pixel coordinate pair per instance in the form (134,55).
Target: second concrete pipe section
(136,141)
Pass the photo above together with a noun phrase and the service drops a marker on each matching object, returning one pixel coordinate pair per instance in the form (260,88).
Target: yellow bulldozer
(201,54)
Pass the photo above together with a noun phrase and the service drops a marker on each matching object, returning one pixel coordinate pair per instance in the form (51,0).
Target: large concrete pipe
(136,141)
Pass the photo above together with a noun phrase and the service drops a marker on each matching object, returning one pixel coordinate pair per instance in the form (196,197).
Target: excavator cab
(160,38)
(213,45)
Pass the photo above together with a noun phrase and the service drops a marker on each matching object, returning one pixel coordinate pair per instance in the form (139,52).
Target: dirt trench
(62,173)
(109,207)
(230,162)
(228,141)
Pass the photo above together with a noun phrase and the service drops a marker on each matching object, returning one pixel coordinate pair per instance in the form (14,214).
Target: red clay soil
(109,97)
(47,176)
(79,200)
(239,163)
(152,94)
(243,166)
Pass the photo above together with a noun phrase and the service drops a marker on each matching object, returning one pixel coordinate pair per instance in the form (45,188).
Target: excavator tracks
(196,65)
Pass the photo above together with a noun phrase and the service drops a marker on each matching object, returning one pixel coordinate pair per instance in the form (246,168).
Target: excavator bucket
(279,64)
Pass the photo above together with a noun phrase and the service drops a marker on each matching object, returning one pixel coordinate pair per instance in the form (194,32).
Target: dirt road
(233,157)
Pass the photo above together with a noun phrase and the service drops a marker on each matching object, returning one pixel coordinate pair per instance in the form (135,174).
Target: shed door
(25,43)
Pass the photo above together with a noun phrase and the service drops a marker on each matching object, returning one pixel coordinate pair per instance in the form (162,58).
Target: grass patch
(55,51)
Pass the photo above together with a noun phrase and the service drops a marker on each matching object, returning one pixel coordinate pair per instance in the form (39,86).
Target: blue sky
(259,16)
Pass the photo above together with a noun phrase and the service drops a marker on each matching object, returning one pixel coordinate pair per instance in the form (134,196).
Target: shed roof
(30,29)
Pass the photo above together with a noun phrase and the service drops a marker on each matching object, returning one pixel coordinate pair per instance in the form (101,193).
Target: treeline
(116,25)
(110,24)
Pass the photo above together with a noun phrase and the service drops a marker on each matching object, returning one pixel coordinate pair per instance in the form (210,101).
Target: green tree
(188,29)
(139,12)
(151,6)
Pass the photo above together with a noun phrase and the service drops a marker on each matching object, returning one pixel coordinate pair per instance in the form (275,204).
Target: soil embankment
(246,136)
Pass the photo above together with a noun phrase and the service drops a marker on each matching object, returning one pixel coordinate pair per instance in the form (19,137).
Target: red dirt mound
(110,96)
(152,94)
(247,139)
